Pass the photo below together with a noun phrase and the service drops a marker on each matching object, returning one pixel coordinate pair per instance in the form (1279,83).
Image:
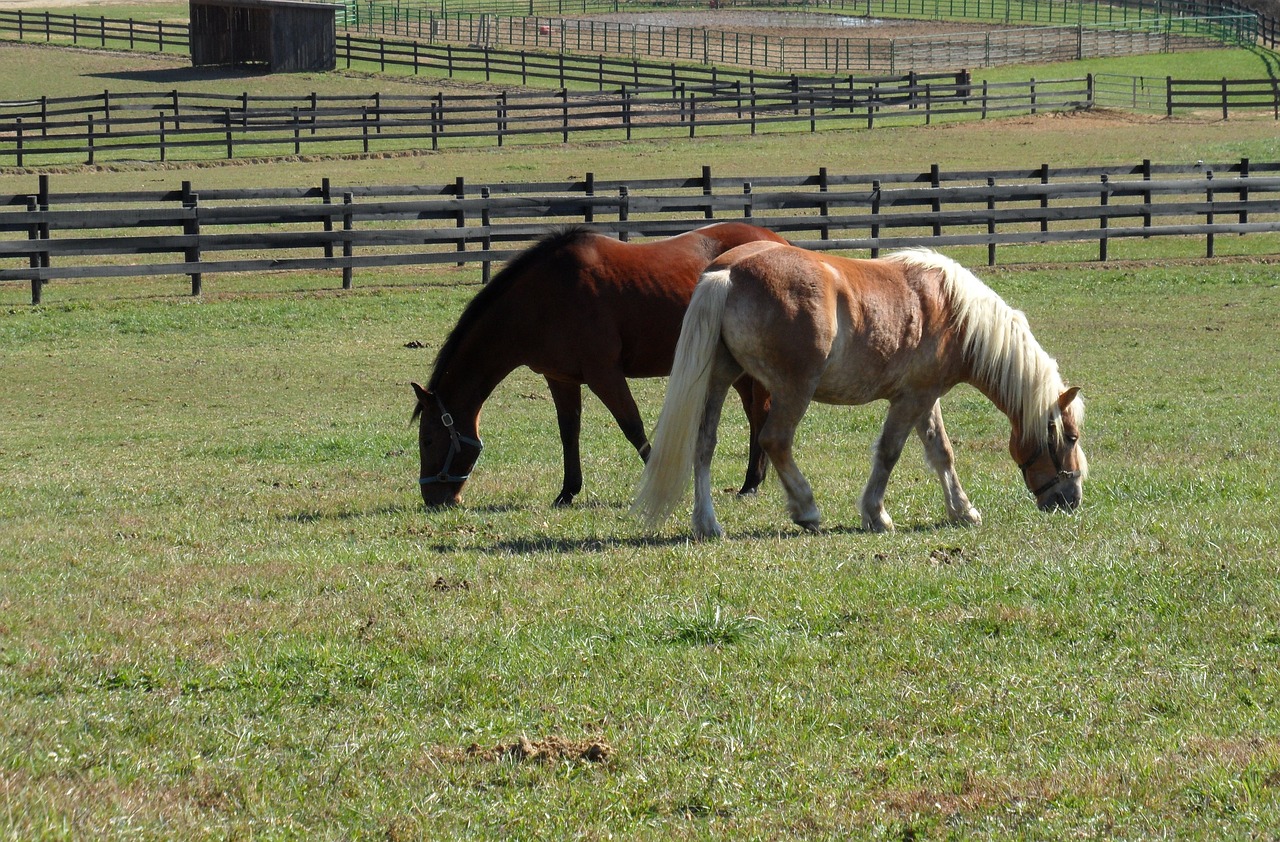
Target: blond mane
(998,344)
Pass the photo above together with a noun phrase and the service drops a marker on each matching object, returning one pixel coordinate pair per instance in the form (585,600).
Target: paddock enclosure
(224,611)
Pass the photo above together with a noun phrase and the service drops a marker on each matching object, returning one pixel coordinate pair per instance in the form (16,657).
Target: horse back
(858,330)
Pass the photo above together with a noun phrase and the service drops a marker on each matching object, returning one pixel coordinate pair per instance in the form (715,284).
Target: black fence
(168,125)
(47,236)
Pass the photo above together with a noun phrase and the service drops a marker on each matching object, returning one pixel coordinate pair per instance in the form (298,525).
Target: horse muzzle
(1065,493)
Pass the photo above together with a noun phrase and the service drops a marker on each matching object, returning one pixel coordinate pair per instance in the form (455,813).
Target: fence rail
(47,236)
(109,126)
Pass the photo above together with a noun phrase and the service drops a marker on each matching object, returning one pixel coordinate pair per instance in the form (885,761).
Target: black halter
(456,440)
(1060,475)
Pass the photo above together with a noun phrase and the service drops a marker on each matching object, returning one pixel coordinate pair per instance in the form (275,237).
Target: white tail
(666,474)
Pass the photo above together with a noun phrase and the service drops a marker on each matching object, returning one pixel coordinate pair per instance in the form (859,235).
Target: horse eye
(1072,439)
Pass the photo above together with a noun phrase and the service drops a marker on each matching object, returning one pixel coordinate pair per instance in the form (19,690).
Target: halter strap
(1059,476)
(456,440)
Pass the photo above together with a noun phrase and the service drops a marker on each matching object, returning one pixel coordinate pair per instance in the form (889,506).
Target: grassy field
(224,612)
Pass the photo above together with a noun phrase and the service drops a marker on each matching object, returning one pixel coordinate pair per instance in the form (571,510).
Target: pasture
(225,613)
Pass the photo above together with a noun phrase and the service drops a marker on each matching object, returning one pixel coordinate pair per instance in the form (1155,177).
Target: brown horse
(578,307)
(905,328)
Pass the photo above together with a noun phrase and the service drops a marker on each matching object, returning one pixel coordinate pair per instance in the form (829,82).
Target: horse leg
(568,400)
(725,372)
(755,403)
(898,422)
(777,436)
(938,452)
(615,394)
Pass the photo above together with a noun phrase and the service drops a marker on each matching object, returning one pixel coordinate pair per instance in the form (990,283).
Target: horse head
(1054,468)
(447,455)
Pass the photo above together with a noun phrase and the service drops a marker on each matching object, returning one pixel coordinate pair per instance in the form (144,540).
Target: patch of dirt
(798,24)
(548,750)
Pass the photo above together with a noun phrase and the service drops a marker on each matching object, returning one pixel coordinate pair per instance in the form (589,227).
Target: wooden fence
(828,54)
(383,15)
(164,126)
(780,53)
(47,236)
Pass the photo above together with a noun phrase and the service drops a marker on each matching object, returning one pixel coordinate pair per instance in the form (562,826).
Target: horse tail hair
(670,463)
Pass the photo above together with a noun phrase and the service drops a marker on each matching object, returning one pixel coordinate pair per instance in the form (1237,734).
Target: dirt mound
(548,750)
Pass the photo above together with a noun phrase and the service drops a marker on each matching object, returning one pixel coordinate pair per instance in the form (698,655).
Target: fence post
(348,225)
(693,104)
(226,115)
(624,212)
(33,233)
(502,116)
(1044,196)
(191,228)
(297,133)
(935,182)
(1224,98)
(824,208)
(89,138)
(589,215)
(364,128)
(564,111)
(460,193)
(875,215)
(626,111)
(746,200)
(486,241)
(1244,192)
(437,121)
(162,139)
(991,221)
(18,139)
(1103,220)
(1168,96)
(1146,197)
(326,199)
(708,211)
(42,203)
(1209,215)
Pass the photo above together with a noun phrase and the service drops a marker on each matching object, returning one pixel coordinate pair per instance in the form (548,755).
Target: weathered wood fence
(47,236)
(165,125)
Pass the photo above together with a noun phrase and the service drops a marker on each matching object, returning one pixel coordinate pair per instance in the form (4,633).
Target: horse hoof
(882,524)
(812,526)
(708,533)
(564,500)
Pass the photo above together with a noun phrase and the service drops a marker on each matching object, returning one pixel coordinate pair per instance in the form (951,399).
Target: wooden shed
(284,35)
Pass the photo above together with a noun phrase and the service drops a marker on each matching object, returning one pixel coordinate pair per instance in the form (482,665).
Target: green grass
(221,615)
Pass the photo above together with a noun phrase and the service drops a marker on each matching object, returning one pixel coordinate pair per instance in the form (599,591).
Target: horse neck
(478,364)
(1022,381)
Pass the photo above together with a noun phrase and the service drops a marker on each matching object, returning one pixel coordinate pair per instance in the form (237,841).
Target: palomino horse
(578,307)
(905,328)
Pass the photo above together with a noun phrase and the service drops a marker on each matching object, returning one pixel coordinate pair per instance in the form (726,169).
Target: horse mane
(999,345)
(498,286)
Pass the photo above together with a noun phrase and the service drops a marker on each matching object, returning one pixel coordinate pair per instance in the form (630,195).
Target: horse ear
(1067,398)
(420,392)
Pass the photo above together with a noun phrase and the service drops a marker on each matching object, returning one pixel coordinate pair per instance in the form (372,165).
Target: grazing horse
(577,307)
(905,328)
